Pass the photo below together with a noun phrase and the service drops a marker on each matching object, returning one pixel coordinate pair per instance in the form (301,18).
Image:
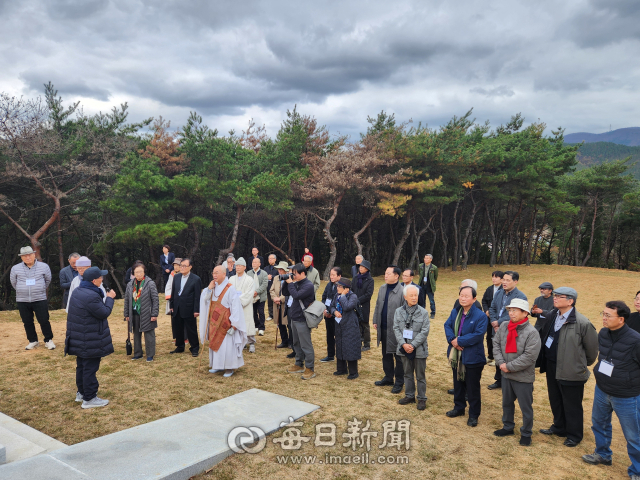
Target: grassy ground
(38,388)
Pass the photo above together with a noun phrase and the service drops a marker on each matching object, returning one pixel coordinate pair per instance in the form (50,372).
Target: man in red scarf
(516,345)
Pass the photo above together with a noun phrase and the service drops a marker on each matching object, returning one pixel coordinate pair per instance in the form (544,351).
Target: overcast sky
(572,63)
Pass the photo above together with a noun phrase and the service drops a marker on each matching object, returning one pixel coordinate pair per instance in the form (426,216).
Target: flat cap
(546,285)
(568,291)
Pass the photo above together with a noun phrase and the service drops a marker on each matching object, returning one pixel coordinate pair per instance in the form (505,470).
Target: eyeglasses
(185,266)
(607,316)
(562,297)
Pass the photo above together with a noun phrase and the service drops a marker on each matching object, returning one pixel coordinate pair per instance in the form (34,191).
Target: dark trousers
(566,406)
(342,366)
(394,372)
(498,376)
(258,315)
(270,304)
(432,302)
(191,326)
(165,277)
(284,334)
(86,381)
(41,310)
(290,335)
(490,341)
(365,333)
(470,388)
(523,392)
(331,336)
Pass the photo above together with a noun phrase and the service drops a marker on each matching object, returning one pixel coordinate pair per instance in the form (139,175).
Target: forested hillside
(591,154)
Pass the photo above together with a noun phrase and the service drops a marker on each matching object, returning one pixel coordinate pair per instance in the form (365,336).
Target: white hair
(308,256)
(469,283)
(406,288)
(429,255)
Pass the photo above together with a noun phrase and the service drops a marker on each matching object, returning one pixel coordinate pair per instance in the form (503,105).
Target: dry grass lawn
(38,388)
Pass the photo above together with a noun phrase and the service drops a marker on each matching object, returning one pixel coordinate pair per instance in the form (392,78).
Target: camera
(286,276)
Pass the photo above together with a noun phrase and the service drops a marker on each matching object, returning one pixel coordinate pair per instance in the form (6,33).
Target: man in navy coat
(185,307)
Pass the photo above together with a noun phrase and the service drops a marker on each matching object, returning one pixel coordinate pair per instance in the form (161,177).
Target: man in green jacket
(428,274)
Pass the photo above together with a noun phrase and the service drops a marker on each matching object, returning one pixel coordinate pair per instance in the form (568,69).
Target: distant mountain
(623,136)
(596,153)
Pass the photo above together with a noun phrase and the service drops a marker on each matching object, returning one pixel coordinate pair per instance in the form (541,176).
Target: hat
(83,262)
(546,285)
(26,251)
(290,267)
(241,262)
(345,282)
(568,291)
(177,260)
(282,265)
(366,264)
(90,274)
(519,303)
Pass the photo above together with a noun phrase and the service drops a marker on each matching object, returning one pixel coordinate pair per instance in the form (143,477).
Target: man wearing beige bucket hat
(30,278)
(516,345)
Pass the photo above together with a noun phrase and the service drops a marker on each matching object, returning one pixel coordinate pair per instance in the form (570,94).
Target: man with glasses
(185,308)
(617,387)
(569,346)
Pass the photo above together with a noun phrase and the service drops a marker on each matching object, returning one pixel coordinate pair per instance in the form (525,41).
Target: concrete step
(21,441)
(176,447)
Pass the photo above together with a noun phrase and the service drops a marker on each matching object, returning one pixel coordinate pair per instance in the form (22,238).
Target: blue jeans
(432,302)
(627,411)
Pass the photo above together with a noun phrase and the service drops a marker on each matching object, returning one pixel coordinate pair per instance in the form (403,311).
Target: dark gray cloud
(339,61)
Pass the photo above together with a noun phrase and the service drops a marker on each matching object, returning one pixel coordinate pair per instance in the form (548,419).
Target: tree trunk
(578,237)
(416,249)
(113,275)
(356,235)
(60,249)
(593,229)
(403,239)
(289,259)
(454,258)
(234,237)
(445,258)
(494,243)
(333,251)
(465,246)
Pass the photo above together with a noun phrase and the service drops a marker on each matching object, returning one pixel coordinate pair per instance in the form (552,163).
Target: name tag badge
(290,302)
(31,281)
(605,368)
(426,279)
(549,342)
(408,334)
(327,302)
(338,319)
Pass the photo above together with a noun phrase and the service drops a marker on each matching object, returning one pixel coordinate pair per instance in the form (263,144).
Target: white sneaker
(269,319)
(95,402)
(228,374)
(50,345)
(79,397)
(32,345)
(252,348)
(261,332)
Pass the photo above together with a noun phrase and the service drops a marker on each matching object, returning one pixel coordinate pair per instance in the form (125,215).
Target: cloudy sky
(572,64)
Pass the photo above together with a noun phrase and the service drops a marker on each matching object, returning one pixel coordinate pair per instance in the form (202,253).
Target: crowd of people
(229,313)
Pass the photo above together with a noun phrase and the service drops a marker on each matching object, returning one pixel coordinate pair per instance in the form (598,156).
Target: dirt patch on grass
(38,388)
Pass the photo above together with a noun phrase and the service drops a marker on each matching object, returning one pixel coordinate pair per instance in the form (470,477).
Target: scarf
(455,355)
(91,286)
(137,290)
(361,277)
(512,335)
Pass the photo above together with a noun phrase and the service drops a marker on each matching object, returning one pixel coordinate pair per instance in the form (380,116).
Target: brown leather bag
(219,322)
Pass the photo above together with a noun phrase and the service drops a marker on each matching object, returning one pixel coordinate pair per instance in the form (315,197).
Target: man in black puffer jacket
(88,334)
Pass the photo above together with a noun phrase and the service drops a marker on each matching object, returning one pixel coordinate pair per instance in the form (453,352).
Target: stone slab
(17,447)
(48,443)
(176,447)
(40,467)
(3,455)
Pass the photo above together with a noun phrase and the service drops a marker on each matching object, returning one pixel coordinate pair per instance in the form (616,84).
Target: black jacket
(624,381)
(546,304)
(330,292)
(167,265)
(364,294)
(487,298)
(88,334)
(273,271)
(302,290)
(188,303)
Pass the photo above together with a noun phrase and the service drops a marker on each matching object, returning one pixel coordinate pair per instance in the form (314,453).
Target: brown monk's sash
(219,322)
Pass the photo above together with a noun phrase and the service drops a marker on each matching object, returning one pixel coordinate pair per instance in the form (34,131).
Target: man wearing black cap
(88,335)
(541,304)
(363,288)
(569,346)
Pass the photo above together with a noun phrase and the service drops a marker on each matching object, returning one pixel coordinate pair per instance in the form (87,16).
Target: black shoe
(422,404)
(525,441)
(433,315)
(503,433)
(327,359)
(282,345)
(177,350)
(353,376)
(365,349)
(407,400)
(340,373)
(570,443)
(138,358)
(472,422)
(494,386)
(291,355)
(397,389)
(383,383)
(195,354)
(451,391)
(595,459)
(454,413)
(548,431)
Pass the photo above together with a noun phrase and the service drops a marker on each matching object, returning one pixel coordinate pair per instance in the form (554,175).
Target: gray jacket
(149,305)
(314,277)
(498,310)
(263,281)
(394,302)
(419,324)
(522,364)
(39,274)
